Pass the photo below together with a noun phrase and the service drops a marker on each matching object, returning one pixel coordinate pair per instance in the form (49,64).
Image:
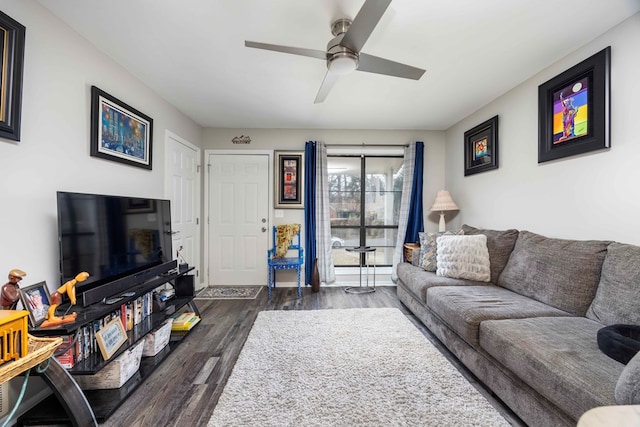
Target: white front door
(183,189)
(238,224)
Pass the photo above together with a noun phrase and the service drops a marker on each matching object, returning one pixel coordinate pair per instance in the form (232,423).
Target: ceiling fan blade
(329,80)
(374,64)
(364,23)
(313,53)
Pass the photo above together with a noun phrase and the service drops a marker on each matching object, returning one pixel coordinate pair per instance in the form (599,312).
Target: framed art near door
(574,109)
(289,167)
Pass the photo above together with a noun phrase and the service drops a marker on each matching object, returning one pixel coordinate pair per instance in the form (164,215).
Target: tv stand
(70,404)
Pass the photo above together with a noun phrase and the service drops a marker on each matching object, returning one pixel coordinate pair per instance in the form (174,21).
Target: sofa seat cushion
(464,308)
(558,357)
(500,244)
(617,299)
(558,272)
(417,280)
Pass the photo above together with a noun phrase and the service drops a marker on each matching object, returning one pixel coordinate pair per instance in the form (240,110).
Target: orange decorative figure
(9,294)
(68,288)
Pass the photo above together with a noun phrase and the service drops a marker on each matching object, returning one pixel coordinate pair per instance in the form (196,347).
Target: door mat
(229,292)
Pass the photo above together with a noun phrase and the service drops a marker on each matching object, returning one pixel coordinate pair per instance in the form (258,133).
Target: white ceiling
(192,53)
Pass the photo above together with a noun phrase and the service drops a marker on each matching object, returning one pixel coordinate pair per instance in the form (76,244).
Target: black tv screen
(111,237)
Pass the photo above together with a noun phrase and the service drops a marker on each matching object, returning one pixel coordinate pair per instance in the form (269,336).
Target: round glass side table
(363,255)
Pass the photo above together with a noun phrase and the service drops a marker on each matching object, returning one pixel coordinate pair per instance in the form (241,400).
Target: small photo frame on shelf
(289,170)
(481,147)
(12,64)
(574,109)
(36,300)
(111,337)
(119,132)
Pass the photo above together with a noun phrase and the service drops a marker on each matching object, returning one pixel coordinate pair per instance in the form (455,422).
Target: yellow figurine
(68,288)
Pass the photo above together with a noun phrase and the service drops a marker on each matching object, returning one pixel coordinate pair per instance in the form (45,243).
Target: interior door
(238,209)
(183,189)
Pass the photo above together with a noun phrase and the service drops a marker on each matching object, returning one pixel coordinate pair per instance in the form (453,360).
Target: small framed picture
(289,180)
(111,337)
(119,132)
(481,147)
(36,300)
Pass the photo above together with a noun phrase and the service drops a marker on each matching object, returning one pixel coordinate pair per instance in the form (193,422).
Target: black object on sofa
(620,342)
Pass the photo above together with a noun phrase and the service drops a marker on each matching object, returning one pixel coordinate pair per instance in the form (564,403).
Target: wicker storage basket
(40,349)
(116,373)
(156,340)
(408,250)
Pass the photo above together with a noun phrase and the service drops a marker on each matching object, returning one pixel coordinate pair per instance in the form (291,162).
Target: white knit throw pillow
(463,257)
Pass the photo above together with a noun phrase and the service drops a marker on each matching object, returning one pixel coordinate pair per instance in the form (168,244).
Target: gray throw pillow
(627,390)
(428,248)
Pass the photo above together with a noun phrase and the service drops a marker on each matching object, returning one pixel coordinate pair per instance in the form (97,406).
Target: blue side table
(364,260)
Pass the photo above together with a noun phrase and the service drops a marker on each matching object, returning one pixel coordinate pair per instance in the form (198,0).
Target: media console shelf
(100,404)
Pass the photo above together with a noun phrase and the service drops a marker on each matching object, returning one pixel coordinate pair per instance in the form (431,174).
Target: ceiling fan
(343,53)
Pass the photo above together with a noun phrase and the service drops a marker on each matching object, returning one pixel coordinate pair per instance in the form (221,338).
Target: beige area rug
(229,292)
(350,367)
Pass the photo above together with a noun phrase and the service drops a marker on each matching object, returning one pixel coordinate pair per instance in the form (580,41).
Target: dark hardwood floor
(184,390)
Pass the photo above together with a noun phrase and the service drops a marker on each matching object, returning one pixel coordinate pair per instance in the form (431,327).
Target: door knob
(264,229)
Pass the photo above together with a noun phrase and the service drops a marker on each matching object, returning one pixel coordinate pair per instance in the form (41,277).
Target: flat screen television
(111,237)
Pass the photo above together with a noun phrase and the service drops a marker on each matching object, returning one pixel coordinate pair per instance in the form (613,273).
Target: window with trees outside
(364,199)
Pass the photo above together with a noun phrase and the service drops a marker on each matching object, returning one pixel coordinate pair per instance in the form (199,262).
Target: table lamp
(443,203)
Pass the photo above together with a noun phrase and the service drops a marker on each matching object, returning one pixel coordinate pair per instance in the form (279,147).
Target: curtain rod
(363,145)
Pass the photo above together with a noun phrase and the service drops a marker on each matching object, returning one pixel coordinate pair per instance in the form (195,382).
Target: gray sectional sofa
(529,334)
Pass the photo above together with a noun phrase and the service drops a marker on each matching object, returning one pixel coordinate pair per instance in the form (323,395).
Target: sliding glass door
(364,198)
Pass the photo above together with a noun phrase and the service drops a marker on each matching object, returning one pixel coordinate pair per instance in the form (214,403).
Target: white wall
(53,154)
(591,196)
(294,139)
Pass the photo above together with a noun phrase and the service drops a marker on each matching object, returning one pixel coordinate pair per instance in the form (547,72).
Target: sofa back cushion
(558,272)
(500,245)
(617,299)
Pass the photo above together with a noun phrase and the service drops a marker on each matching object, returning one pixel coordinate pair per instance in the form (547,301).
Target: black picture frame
(12,35)
(119,132)
(289,179)
(481,147)
(36,300)
(574,111)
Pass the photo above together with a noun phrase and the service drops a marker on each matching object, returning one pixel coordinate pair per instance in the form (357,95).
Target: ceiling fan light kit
(343,62)
(343,54)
